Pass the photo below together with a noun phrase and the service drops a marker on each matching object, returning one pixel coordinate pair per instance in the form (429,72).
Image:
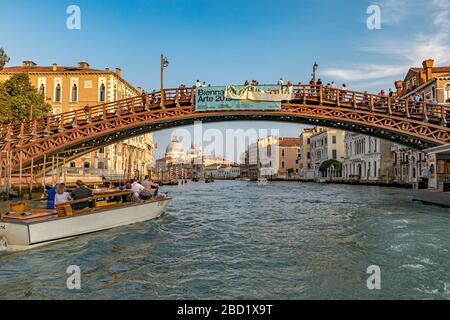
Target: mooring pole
(53,170)
(9,174)
(20,173)
(43,171)
(31,179)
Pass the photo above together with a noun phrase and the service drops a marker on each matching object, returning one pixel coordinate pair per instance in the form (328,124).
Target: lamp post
(164,64)
(315,67)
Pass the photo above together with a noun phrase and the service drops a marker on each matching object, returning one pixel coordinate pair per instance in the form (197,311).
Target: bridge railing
(172,98)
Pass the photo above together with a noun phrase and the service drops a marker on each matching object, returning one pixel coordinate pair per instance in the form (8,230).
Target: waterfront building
(211,171)
(306,172)
(274,158)
(367,159)
(407,164)
(230,172)
(74,87)
(430,83)
(326,144)
(288,158)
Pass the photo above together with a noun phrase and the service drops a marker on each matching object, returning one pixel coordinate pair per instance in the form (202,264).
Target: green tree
(17,95)
(328,163)
(4,59)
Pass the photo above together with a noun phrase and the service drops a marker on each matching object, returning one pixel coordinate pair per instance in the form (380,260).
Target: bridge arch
(72,134)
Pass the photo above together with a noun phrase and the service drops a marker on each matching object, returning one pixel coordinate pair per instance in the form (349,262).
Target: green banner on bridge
(213,99)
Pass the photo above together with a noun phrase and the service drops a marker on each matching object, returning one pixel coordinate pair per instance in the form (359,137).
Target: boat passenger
(81,192)
(139,191)
(62,196)
(51,195)
(150,185)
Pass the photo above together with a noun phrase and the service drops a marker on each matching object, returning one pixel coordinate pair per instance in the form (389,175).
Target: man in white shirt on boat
(139,190)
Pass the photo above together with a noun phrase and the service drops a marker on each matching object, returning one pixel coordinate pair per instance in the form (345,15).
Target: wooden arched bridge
(69,135)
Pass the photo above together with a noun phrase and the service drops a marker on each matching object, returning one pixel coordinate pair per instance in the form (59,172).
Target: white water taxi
(23,229)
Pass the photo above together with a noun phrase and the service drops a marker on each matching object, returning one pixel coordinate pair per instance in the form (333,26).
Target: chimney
(28,63)
(107,69)
(55,67)
(83,65)
(118,70)
(399,87)
(428,68)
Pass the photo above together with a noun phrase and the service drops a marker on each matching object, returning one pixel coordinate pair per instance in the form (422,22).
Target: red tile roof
(49,69)
(289,142)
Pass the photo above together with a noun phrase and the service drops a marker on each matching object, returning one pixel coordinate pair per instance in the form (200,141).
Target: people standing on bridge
(144,99)
(281,82)
(246,83)
(198,84)
(204,84)
(343,92)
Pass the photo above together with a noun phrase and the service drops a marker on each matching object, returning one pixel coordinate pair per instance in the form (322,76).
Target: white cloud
(433,42)
(364,72)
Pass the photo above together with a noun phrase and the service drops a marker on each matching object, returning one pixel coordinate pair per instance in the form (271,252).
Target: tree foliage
(17,95)
(4,59)
(328,163)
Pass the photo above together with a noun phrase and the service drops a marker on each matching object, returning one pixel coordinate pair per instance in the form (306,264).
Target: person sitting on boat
(62,196)
(81,192)
(150,185)
(139,191)
(51,195)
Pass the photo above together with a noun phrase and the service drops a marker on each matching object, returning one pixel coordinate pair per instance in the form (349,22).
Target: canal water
(237,240)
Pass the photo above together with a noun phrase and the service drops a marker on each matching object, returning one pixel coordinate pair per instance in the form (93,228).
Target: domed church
(175,151)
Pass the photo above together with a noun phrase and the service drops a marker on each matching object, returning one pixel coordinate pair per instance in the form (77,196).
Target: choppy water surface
(235,240)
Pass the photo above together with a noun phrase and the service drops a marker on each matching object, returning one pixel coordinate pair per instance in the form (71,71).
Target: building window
(74,94)
(102,93)
(72,164)
(282,164)
(58,93)
(88,84)
(86,165)
(42,90)
(334,154)
(433,94)
(447,93)
(334,139)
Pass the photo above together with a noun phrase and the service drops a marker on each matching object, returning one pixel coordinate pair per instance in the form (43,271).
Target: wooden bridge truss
(69,135)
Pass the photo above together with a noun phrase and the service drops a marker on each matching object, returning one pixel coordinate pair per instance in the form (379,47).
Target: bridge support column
(443,116)
(407,108)
(425,111)
(389,105)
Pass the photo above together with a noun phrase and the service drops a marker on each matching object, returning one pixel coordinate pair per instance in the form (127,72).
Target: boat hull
(22,236)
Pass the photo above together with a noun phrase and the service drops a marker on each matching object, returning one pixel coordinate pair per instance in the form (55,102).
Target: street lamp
(164,64)
(315,67)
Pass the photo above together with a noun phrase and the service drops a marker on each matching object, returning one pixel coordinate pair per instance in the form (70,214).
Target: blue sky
(224,42)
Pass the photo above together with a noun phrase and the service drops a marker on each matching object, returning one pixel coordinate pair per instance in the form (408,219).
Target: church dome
(175,148)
